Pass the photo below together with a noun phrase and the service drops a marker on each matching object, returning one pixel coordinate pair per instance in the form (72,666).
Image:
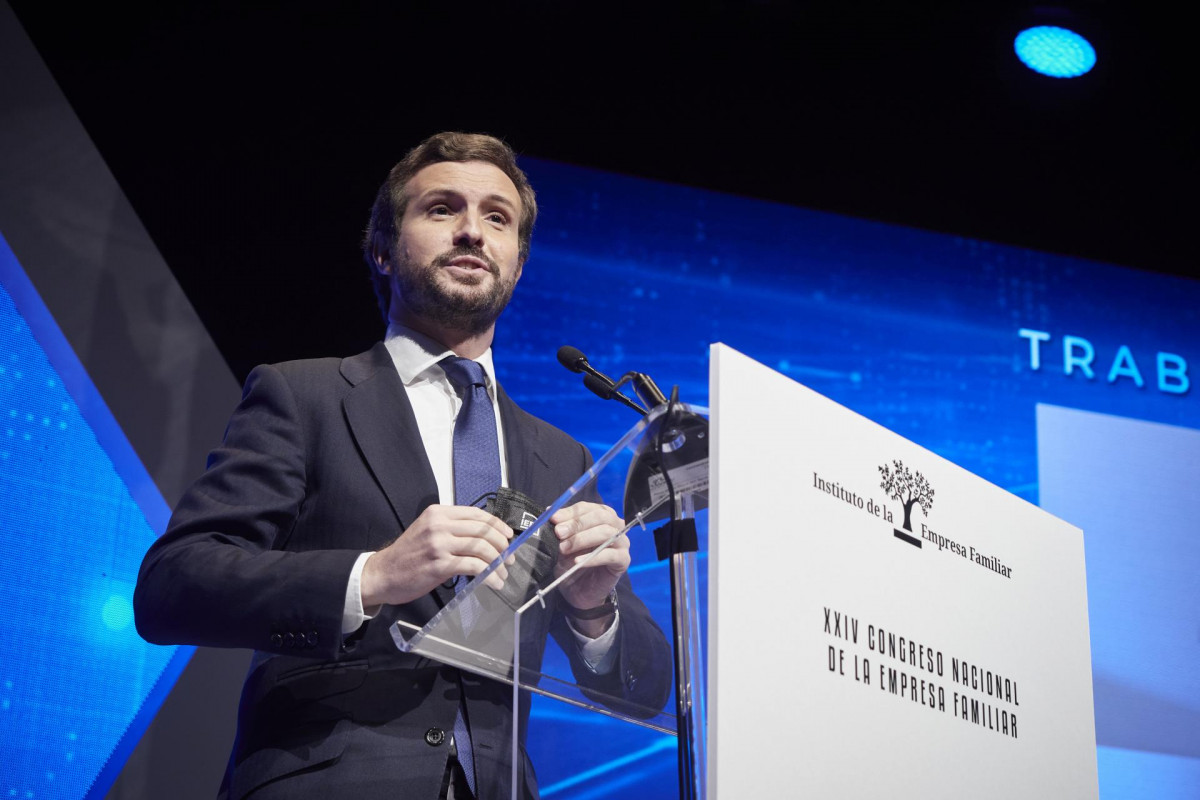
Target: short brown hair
(390,202)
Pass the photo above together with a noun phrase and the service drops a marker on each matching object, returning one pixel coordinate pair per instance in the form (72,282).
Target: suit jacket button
(311,639)
(434,737)
(289,639)
(630,681)
(276,640)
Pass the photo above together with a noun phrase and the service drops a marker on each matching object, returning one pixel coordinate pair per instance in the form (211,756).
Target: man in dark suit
(329,513)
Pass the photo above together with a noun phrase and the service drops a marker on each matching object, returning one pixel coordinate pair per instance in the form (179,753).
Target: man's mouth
(469,262)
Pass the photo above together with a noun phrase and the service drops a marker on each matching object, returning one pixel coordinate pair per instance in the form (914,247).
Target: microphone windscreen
(598,387)
(572,358)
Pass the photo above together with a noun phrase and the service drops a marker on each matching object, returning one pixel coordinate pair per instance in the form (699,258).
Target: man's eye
(498,218)
(439,210)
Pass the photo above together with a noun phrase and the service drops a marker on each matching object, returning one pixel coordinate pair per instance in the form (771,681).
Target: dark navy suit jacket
(321,461)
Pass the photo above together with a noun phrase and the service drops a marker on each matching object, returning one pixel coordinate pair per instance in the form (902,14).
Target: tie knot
(463,372)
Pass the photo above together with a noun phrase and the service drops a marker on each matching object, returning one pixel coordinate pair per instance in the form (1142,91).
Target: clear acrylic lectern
(501,633)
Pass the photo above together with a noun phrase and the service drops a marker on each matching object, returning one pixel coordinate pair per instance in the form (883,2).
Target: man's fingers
(581,516)
(584,526)
(467,565)
(495,542)
(616,554)
(586,541)
(484,547)
(611,555)
(441,543)
(486,529)
(592,538)
(457,515)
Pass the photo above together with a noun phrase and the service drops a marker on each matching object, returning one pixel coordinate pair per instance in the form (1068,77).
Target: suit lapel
(524,460)
(382,423)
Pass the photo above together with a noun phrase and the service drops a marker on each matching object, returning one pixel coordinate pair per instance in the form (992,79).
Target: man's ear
(381,255)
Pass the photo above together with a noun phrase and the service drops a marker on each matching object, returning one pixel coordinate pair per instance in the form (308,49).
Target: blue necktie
(476,445)
(476,472)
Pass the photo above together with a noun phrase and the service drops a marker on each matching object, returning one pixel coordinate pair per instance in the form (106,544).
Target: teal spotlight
(1056,52)
(117,612)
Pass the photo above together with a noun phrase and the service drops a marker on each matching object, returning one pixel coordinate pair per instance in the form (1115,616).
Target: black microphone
(573,359)
(596,381)
(607,391)
(602,389)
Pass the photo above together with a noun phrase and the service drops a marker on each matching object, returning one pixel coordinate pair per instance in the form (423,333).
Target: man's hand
(580,529)
(443,542)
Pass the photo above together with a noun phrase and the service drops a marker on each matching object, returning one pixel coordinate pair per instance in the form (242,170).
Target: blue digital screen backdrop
(1016,364)
(78,686)
(952,342)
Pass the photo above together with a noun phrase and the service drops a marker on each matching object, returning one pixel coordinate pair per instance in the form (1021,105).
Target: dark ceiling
(251,137)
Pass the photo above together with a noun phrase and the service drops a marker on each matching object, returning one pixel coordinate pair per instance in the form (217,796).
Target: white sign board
(883,623)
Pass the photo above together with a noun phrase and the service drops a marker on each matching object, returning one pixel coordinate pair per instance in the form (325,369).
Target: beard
(428,293)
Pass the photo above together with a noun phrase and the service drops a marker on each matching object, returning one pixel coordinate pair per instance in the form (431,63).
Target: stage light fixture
(1056,52)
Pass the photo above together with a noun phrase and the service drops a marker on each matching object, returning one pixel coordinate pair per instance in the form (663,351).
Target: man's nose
(469,229)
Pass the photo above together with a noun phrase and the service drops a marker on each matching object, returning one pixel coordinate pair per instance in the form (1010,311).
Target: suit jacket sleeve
(640,682)
(219,575)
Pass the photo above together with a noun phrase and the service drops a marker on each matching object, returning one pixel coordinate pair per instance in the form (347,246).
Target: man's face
(455,261)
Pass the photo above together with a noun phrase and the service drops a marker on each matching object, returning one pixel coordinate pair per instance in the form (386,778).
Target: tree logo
(909,489)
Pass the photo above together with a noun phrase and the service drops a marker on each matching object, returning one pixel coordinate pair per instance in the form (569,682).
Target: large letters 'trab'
(1079,354)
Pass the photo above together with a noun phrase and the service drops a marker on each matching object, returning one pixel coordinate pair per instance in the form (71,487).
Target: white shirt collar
(415,354)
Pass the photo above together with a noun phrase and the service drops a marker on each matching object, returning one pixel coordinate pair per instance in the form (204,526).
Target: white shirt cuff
(353,615)
(599,654)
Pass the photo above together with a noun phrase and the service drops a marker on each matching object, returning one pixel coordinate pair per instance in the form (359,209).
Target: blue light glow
(1056,52)
(117,613)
